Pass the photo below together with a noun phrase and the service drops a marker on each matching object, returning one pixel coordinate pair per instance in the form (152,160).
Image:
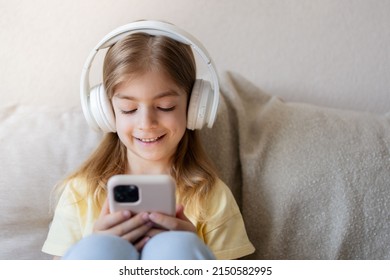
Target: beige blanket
(312,182)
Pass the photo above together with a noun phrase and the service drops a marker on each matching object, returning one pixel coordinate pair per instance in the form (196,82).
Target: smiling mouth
(150,140)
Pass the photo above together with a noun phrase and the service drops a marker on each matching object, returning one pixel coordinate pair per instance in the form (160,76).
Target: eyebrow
(160,95)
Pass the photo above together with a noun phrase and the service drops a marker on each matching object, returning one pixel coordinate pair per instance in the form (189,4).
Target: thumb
(105,208)
(180,213)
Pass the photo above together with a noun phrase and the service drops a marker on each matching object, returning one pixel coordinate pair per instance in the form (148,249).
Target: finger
(140,244)
(137,233)
(151,232)
(154,231)
(171,223)
(134,228)
(105,208)
(180,213)
(179,208)
(111,220)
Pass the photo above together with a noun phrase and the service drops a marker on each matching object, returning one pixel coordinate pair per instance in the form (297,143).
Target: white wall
(334,52)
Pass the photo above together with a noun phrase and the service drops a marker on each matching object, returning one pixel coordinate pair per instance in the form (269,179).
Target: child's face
(151,117)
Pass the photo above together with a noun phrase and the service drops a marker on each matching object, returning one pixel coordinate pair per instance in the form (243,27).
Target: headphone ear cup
(200,104)
(100,107)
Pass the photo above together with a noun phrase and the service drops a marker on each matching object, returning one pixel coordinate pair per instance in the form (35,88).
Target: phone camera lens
(126,193)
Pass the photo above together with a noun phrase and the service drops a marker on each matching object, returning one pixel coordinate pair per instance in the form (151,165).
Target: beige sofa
(312,182)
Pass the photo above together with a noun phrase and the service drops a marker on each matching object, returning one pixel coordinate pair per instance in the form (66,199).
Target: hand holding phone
(142,193)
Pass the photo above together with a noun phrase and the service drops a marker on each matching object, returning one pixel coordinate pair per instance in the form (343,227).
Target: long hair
(194,173)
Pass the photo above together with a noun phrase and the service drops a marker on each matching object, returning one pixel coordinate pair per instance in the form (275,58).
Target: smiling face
(148,80)
(150,113)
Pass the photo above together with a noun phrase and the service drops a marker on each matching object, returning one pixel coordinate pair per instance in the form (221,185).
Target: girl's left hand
(180,222)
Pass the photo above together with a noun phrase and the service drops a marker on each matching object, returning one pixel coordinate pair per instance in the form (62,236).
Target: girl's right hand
(133,228)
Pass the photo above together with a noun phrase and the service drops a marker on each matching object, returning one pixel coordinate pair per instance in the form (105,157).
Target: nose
(147,119)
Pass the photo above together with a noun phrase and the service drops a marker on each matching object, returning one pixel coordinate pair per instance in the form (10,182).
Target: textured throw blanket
(312,182)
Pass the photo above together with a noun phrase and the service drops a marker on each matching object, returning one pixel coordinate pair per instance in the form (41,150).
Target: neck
(142,166)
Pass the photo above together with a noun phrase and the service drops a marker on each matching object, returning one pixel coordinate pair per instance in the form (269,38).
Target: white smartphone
(142,193)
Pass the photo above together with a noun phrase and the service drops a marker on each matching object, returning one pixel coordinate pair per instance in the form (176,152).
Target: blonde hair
(193,171)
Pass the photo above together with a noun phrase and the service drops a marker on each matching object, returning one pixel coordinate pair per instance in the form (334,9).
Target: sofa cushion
(38,147)
(314,182)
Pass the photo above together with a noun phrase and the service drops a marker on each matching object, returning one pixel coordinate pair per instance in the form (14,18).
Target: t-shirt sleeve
(65,229)
(225,232)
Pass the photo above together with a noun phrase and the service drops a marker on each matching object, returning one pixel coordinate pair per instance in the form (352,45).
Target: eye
(128,112)
(169,109)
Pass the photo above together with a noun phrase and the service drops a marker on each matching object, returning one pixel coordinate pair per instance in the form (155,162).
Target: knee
(176,238)
(102,247)
(176,245)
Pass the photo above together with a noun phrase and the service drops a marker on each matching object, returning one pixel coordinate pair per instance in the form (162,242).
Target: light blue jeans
(169,245)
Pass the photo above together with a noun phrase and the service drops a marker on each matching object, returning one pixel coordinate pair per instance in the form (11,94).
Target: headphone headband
(153,28)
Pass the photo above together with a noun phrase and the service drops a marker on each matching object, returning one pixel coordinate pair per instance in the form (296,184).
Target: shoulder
(221,202)
(69,223)
(73,192)
(222,192)
(221,188)
(224,230)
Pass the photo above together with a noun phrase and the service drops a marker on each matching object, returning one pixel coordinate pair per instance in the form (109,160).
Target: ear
(200,104)
(101,109)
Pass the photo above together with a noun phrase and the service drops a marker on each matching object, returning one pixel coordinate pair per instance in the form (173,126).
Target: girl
(148,79)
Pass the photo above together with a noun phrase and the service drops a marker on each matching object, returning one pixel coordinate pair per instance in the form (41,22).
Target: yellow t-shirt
(223,232)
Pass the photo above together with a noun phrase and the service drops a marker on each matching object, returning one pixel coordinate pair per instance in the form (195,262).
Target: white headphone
(204,100)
